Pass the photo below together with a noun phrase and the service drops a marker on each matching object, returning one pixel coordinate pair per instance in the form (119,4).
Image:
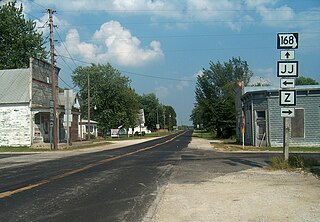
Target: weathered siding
(15,124)
(41,83)
(275,122)
(310,104)
(311,119)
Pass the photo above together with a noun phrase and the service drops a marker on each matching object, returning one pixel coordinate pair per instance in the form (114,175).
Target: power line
(189,36)
(138,74)
(181,10)
(193,22)
(65,47)
(39,5)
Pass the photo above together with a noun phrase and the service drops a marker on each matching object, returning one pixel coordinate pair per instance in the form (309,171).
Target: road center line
(89,166)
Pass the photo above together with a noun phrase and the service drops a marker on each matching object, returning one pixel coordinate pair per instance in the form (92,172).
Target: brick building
(262,120)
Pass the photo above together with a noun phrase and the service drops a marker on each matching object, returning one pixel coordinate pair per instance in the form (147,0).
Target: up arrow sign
(287,55)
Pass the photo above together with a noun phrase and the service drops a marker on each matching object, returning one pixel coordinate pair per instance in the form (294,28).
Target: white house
(25,96)
(83,129)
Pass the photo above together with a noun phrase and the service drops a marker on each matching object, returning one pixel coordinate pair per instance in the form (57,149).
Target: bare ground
(251,195)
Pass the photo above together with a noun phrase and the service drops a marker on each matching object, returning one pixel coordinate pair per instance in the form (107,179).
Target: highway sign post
(288,70)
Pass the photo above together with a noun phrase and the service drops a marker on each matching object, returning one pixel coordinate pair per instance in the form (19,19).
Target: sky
(162,45)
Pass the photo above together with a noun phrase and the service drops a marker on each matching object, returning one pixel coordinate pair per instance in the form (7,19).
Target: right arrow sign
(287,112)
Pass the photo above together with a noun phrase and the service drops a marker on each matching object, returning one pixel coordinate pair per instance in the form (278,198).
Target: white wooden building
(25,96)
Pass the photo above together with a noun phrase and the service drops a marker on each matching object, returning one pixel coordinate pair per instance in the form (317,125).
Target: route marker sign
(287,112)
(287,97)
(287,40)
(287,83)
(287,54)
(287,69)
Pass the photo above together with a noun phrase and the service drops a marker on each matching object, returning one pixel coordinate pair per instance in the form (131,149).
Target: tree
(215,101)
(170,117)
(151,106)
(117,104)
(306,81)
(19,39)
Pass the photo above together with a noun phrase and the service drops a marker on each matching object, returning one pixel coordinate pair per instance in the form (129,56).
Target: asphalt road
(114,185)
(111,185)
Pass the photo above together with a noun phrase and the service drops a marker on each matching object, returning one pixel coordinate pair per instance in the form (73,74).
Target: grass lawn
(21,149)
(231,145)
(97,142)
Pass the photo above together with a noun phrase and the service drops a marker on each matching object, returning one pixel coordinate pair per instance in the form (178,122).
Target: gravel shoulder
(254,194)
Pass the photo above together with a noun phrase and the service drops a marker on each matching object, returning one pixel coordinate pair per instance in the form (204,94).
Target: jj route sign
(287,97)
(287,68)
(287,40)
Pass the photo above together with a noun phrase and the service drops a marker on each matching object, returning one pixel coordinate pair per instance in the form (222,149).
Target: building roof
(252,89)
(84,121)
(14,86)
(74,100)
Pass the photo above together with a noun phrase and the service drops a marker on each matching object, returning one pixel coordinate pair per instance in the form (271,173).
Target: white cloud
(235,14)
(183,84)
(161,92)
(199,73)
(281,16)
(267,74)
(76,47)
(251,4)
(113,43)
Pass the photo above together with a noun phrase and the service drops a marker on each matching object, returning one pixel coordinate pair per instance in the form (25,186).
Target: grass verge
(296,162)
(21,149)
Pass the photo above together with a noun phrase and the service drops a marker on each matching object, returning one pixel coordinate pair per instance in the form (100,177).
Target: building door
(261,128)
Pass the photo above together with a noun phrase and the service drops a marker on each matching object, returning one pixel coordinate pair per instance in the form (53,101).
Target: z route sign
(287,68)
(287,40)
(287,97)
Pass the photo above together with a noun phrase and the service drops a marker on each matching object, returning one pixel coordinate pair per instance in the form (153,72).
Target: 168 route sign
(287,40)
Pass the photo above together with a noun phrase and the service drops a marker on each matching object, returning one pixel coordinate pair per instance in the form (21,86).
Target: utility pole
(164,119)
(53,80)
(89,131)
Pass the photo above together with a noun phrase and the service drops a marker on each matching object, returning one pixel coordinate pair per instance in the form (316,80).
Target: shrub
(278,163)
(295,161)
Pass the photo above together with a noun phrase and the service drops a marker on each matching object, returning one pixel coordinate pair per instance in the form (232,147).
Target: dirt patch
(256,194)
(251,195)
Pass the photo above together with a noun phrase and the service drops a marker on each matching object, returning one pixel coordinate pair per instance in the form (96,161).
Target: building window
(37,118)
(297,124)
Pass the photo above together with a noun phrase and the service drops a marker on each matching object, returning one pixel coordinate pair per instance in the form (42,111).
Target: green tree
(306,81)
(19,39)
(151,106)
(170,117)
(215,101)
(117,104)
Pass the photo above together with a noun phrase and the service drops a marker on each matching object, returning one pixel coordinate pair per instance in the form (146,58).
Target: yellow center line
(31,186)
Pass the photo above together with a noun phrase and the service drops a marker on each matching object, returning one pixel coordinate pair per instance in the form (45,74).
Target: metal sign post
(288,70)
